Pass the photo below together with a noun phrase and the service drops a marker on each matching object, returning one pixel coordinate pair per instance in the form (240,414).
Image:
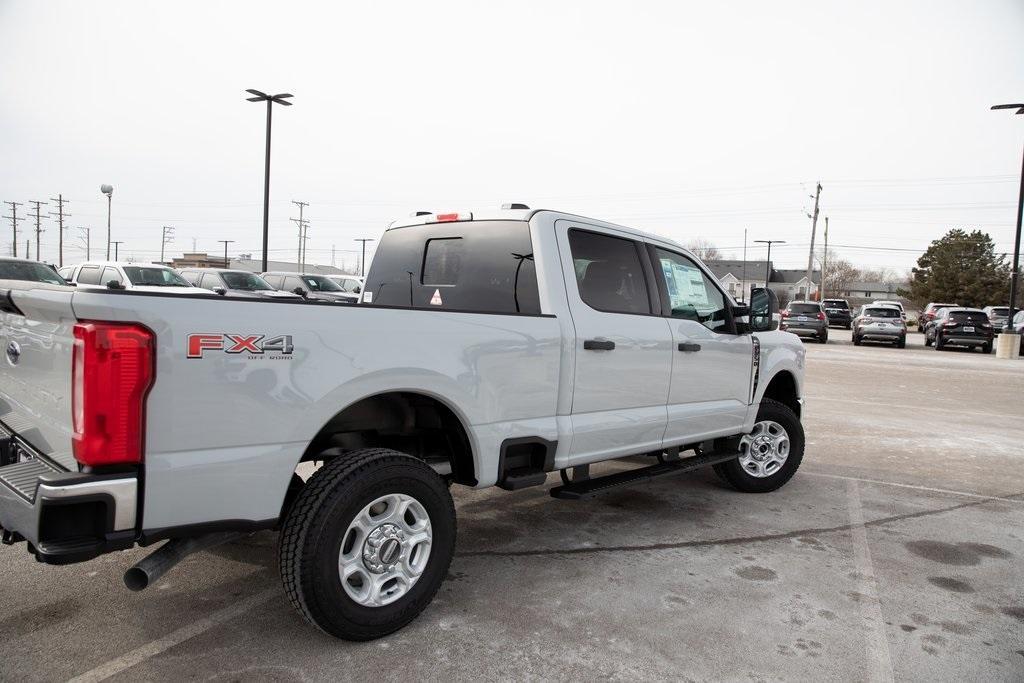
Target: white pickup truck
(487,350)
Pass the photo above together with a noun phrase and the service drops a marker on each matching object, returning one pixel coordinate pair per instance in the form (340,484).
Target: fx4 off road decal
(253,345)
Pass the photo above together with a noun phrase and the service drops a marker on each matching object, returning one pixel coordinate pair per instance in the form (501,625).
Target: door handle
(598,345)
(688,347)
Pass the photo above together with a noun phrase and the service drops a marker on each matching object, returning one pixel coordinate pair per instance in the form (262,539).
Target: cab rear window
(804,309)
(478,266)
(882,313)
(962,316)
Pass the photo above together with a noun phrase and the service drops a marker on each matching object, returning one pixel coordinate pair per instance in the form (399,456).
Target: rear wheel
(856,339)
(770,454)
(902,343)
(824,337)
(987,348)
(938,342)
(367,543)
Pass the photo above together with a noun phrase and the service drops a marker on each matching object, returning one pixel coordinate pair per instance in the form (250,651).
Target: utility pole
(743,286)
(166,238)
(824,262)
(362,261)
(14,226)
(116,244)
(299,221)
(60,229)
(768,262)
(810,254)
(332,256)
(85,236)
(39,230)
(227,264)
(305,246)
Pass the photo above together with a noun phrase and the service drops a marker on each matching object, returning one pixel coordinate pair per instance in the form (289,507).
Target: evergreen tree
(961,268)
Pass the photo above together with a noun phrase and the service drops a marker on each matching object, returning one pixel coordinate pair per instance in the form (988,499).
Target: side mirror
(764,310)
(114,284)
(220,290)
(300,291)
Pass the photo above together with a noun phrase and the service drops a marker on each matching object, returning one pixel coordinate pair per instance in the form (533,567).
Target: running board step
(589,488)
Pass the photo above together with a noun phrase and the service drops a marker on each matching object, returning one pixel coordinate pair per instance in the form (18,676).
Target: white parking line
(877,645)
(928,489)
(155,647)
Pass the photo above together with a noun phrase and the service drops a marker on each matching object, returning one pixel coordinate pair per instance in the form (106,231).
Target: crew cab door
(622,347)
(711,363)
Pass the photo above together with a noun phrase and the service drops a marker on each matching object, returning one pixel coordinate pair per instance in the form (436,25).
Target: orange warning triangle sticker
(436,299)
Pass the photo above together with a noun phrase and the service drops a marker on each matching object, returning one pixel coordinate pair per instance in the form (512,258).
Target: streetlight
(116,243)
(109,191)
(1015,266)
(362,263)
(768,262)
(270,100)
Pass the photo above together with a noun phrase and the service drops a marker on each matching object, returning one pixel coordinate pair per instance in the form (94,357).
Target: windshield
(249,282)
(804,309)
(29,270)
(154,277)
(882,312)
(318,283)
(833,303)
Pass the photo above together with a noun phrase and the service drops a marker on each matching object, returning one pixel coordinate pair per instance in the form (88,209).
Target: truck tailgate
(36,322)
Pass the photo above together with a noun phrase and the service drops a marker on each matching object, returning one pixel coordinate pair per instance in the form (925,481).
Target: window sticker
(436,299)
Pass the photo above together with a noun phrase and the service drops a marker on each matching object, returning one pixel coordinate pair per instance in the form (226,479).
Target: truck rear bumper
(64,516)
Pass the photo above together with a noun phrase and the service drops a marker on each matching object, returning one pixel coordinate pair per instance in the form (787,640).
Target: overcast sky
(686,119)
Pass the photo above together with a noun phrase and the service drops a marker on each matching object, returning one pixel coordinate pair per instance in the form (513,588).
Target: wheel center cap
(383,548)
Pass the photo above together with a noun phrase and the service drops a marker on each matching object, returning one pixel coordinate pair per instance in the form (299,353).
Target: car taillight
(785,314)
(950,323)
(450,217)
(112,370)
(821,316)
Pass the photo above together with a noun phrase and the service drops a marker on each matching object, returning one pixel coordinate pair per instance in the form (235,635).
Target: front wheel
(987,348)
(367,543)
(902,343)
(770,454)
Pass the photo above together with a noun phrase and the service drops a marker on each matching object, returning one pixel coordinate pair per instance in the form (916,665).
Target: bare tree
(704,249)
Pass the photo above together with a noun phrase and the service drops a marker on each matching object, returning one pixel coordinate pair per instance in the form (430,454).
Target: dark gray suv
(806,319)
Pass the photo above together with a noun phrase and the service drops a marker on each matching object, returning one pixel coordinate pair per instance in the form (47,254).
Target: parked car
(32,271)
(237,283)
(806,319)
(482,368)
(960,327)
(348,283)
(880,323)
(310,287)
(838,312)
(928,314)
(135,277)
(997,315)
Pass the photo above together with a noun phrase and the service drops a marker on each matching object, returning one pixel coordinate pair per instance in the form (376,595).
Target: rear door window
(480,266)
(609,274)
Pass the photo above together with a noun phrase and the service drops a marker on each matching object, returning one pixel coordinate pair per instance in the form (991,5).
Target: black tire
(902,343)
(733,473)
(856,340)
(823,338)
(927,340)
(987,348)
(849,326)
(312,537)
(938,342)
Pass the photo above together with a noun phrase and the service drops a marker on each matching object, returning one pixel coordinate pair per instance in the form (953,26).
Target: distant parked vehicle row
(805,319)
(838,312)
(311,287)
(33,271)
(997,315)
(929,313)
(138,277)
(237,283)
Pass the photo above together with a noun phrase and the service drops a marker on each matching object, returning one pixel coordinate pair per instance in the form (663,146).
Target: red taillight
(785,314)
(112,369)
(821,316)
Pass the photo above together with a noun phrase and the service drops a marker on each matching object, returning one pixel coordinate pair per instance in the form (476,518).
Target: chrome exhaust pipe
(161,560)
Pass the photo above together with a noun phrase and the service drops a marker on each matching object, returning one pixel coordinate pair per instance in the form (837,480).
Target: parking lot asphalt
(897,552)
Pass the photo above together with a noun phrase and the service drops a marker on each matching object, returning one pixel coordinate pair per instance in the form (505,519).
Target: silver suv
(880,323)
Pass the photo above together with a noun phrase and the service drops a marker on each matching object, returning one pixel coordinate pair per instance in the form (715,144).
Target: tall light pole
(362,262)
(270,100)
(768,262)
(116,244)
(109,191)
(226,243)
(1015,266)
